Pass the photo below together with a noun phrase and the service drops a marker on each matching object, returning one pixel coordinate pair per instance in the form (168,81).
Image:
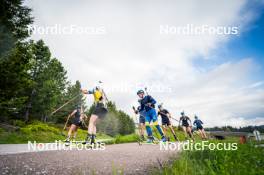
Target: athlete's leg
(200,133)
(75,132)
(147,123)
(185,131)
(92,128)
(71,130)
(189,131)
(164,128)
(154,117)
(142,126)
(171,129)
(204,134)
(156,124)
(165,131)
(173,132)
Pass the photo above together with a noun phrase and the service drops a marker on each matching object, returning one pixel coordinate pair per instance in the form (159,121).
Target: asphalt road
(127,158)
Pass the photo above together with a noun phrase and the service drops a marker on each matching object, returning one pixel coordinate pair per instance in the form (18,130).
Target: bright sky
(131,44)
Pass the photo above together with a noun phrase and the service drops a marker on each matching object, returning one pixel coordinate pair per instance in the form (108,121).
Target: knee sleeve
(159,129)
(148,129)
(155,123)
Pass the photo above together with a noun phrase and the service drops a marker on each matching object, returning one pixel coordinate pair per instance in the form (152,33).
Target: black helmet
(182,113)
(140,92)
(159,106)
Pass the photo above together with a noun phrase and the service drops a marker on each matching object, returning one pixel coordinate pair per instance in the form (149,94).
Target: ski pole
(146,90)
(175,119)
(105,95)
(134,109)
(65,104)
(66,122)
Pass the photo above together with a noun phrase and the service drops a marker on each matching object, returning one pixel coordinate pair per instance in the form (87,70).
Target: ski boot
(150,139)
(67,142)
(163,139)
(142,138)
(88,140)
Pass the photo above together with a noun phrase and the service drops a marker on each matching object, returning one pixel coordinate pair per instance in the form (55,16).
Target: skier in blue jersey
(147,104)
(199,125)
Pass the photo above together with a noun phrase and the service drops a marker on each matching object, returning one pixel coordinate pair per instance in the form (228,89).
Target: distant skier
(186,125)
(199,125)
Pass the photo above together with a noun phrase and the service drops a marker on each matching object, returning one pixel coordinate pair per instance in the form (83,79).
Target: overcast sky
(126,47)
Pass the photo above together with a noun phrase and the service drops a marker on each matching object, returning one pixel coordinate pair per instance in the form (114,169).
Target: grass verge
(247,159)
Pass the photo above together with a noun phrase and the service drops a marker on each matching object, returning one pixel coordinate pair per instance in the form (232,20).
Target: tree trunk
(29,106)
(44,118)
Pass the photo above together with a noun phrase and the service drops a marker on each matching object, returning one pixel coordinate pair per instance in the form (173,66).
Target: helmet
(78,106)
(182,113)
(159,106)
(195,116)
(140,92)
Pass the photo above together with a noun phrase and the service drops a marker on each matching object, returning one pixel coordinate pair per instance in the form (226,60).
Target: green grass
(41,132)
(126,138)
(36,131)
(247,159)
(44,133)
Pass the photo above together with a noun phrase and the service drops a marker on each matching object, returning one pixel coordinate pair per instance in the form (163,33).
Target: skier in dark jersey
(141,121)
(76,123)
(166,121)
(186,126)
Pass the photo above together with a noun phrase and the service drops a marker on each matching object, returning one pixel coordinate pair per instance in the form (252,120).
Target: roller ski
(150,141)
(91,142)
(68,142)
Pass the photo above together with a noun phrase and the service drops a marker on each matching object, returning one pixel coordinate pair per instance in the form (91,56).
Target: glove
(148,104)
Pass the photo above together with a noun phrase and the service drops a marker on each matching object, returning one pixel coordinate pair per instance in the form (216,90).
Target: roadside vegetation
(48,132)
(247,159)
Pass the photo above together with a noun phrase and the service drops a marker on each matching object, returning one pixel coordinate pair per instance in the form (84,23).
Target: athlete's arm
(85,116)
(85,91)
(180,121)
(189,120)
(151,100)
(168,113)
(73,112)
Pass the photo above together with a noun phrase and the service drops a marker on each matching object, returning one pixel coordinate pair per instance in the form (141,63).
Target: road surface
(127,158)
